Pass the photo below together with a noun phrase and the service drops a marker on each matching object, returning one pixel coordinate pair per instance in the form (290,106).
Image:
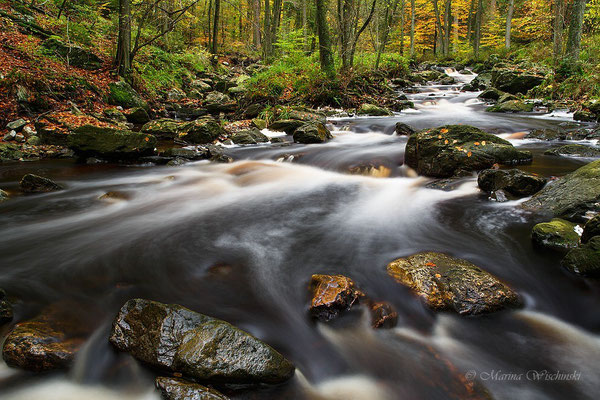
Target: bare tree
(509,16)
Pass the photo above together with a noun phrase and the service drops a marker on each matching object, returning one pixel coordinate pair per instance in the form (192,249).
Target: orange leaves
(446,141)
(469,154)
(430,264)
(438,276)
(444,130)
(147,139)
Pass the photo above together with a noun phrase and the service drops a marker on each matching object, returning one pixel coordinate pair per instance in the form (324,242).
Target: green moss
(122,94)
(557,234)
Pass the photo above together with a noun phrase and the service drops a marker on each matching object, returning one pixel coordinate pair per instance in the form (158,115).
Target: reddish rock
(332,295)
(383,315)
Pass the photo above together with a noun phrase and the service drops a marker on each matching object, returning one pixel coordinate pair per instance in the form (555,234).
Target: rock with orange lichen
(332,295)
(448,283)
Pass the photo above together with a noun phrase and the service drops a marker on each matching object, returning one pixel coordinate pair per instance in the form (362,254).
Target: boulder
(16,125)
(312,132)
(513,181)
(200,86)
(173,338)
(511,106)
(122,94)
(557,234)
(584,260)
(481,81)
(136,115)
(584,116)
(163,128)
(457,149)
(175,94)
(201,131)
(370,168)
(6,311)
(249,136)
(116,115)
(31,183)
(514,82)
(571,196)
(383,315)
(73,54)
(431,75)
(109,142)
(591,229)
(507,97)
(217,102)
(179,389)
(403,129)
(45,343)
(288,126)
(373,110)
(447,80)
(574,150)
(3,196)
(448,283)
(546,134)
(332,295)
(491,94)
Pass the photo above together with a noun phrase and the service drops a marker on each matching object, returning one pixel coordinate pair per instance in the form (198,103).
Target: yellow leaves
(483,143)
(469,154)
(446,141)
(439,136)
(477,143)
(438,276)
(147,139)
(444,130)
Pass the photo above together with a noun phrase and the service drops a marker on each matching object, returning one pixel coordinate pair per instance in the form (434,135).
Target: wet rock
(163,128)
(16,125)
(557,234)
(45,343)
(481,81)
(511,106)
(3,196)
(458,149)
(122,94)
(584,260)
(115,196)
(546,134)
(136,115)
(331,295)
(288,126)
(373,169)
(175,95)
(201,131)
(173,338)
(312,132)
(6,310)
(373,110)
(513,181)
(591,229)
(584,116)
(403,129)
(189,154)
(92,140)
(31,183)
(574,150)
(571,196)
(383,315)
(218,102)
(249,136)
(431,75)
(179,389)
(499,196)
(401,82)
(490,94)
(512,81)
(448,283)
(507,97)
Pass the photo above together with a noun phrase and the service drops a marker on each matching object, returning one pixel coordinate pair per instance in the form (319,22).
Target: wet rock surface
(557,234)
(92,140)
(513,181)
(448,283)
(6,310)
(179,389)
(584,260)
(173,338)
(31,183)
(331,295)
(312,132)
(591,229)
(574,150)
(383,315)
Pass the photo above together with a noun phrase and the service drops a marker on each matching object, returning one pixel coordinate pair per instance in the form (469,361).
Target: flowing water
(240,242)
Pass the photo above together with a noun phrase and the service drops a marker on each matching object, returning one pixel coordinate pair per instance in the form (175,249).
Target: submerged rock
(557,234)
(173,338)
(448,283)
(179,389)
(31,183)
(584,260)
(457,149)
(312,132)
(332,295)
(383,315)
(591,229)
(109,142)
(571,196)
(249,136)
(513,181)
(373,110)
(574,150)
(546,134)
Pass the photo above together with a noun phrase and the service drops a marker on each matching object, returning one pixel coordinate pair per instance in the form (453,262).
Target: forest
(299,199)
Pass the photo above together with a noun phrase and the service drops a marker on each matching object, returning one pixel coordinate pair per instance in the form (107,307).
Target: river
(240,241)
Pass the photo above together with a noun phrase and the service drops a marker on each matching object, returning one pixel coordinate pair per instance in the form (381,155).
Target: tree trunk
(388,22)
(401,25)
(439,32)
(325,55)
(477,39)
(448,19)
(412,28)
(559,26)
(123,58)
(575,27)
(509,15)
(215,31)
(470,21)
(305,24)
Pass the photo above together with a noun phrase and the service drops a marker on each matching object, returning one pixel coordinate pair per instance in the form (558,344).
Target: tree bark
(412,28)
(256,23)
(509,15)
(123,58)
(477,39)
(575,28)
(215,31)
(448,20)
(559,26)
(325,55)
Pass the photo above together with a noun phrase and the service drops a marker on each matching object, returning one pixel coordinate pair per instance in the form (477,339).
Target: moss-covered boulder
(163,128)
(201,131)
(74,55)
(403,129)
(591,229)
(216,102)
(448,283)
(31,183)
(178,340)
(109,142)
(179,389)
(286,125)
(136,115)
(10,152)
(511,106)
(312,132)
(513,181)
(571,196)
(457,149)
(373,110)
(491,94)
(557,234)
(584,260)
(249,136)
(512,81)
(122,94)
(574,150)
(331,295)
(546,134)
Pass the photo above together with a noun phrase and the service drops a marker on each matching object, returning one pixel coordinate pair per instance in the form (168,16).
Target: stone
(16,125)
(574,150)
(383,315)
(332,295)
(312,132)
(558,235)
(136,115)
(591,229)
(448,283)
(163,128)
(122,94)
(175,95)
(6,310)
(585,116)
(179,389)
(173,338)
(490,94)
(546,134)
(10,152)
(216,102)
(288,126)
(511,106)
(373,110)
(116,115)
(31,183)
(507,97)
(89,140)
(249,136)
(201,86)
(201,131)
(3,196)
(513,181)
(512,81)
(458,149)
(73,54)
(584,260)
(10,136)
(403,129)
(260,123)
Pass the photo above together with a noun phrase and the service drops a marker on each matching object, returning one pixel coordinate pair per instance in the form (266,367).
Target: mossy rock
(458,149)
(512,81)
(136,115)
(584,260)
(10,152)
(513,181)
(574,150)
(179,389)
(31,183)
(201,131)
(373,110)
(507,97)
(546,134)
(591,229)
(491,94)
(288,126)
(511,106)
(76,55)
(249,136)
(122,94)
(558,234)
(111,143)
(163,128)
(312,132)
